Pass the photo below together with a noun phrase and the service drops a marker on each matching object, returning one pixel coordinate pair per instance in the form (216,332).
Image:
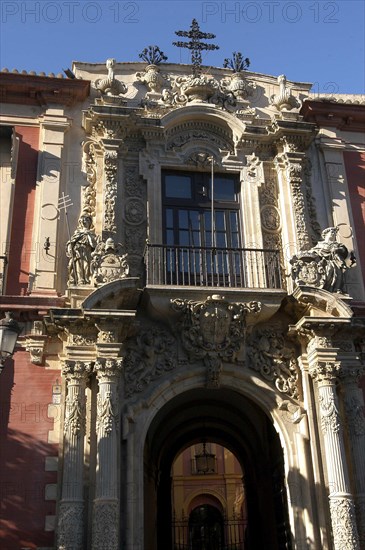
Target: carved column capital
(108,370)
(76,370)
(325,373)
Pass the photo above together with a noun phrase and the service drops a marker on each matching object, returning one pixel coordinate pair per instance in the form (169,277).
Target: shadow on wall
(26,517)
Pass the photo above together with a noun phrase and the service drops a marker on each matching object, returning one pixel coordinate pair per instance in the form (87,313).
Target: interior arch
(234,421)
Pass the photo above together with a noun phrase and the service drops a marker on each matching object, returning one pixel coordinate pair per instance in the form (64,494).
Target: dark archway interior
(234,421)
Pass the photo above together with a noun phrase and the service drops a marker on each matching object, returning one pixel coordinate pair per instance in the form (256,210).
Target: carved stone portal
(213,331)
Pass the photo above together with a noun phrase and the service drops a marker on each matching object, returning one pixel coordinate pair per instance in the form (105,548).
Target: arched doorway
(232,420)
(206,528)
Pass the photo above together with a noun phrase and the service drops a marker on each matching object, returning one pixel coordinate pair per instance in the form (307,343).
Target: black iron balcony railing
(212,267)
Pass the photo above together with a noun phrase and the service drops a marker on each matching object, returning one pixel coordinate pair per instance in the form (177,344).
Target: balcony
(212,267)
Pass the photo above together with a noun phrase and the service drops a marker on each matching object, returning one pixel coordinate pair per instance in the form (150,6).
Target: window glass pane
(169,217)
(178,187)
(184,238)
(183,219)
(219,221)
(220,240)
(224,189)
(169,237)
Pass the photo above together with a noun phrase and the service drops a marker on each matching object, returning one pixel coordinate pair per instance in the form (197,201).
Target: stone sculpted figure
(322,266)
(79,249)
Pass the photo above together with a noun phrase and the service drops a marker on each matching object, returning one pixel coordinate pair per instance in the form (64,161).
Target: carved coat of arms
(213,330)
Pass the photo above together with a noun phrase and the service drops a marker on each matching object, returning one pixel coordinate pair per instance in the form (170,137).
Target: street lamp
(9,331)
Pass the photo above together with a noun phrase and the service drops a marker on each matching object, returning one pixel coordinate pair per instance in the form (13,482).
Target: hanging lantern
(205,462)
(9,331)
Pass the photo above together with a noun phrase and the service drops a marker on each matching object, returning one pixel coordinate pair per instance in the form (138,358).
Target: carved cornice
(42,90)
(330,114)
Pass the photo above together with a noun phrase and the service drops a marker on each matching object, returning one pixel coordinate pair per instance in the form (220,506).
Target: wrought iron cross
(195,44)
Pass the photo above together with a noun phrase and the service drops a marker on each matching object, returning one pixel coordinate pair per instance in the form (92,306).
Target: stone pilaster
(105,534)
(342,507)
(110,191)
(71,512)
(355,416)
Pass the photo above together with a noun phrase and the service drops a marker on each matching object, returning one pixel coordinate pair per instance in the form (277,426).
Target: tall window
(201,234)
(188,210)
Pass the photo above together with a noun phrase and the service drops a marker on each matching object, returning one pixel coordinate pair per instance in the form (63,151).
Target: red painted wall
(21,246)
(25,393)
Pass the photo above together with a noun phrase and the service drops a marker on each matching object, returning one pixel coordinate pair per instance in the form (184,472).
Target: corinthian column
(71,513)
(342,508)
(106,503)
(355,416)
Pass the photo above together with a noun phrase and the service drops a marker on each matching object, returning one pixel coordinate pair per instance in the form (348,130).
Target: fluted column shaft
(342,508)
(71,514)
(106,503)
(355,416)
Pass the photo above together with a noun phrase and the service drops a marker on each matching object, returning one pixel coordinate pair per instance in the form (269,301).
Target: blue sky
(317,41)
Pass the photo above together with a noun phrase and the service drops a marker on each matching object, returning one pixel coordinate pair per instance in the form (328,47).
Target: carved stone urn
(199,88)
(153,78)
(238,86)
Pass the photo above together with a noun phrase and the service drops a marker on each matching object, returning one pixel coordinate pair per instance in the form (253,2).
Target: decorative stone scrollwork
(284,100)
(107,264)
(76,373)
(153,79)
(81,334)
(107,417)
(111,172)
(74,415)
(135,211)
(89,166)
(270,218)
(343,518)
(322,266)
(330,416)
(271,356)
(239,86)
(148,356)
(355,415)
(213,330)
(110,88)
(36,343)
(199,130)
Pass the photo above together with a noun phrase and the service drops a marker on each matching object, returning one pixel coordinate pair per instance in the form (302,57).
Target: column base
(71,525)
(345,536)
(105,524)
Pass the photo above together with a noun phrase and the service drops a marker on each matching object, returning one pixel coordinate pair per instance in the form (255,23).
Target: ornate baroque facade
(211,285)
